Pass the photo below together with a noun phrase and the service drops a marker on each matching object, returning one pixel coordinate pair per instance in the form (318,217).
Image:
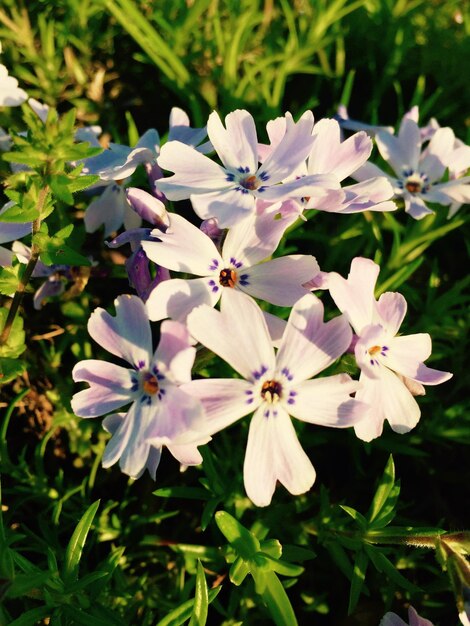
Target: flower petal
(309,345)
(128,334)
(175,350)
(183,248)
(176,298)
(437,155)
(274,453)
(110,388)
(391,307)
(280,281)
(327,401)
(237,145)
(416,207)
(229,205)
(238,334)
(108,210)
(224,400)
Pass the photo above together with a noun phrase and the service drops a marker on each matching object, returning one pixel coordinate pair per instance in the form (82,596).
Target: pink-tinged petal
(273,453)
(108,210)
(276,130)
(238,334)
(406,351)
(416,389)
(392,151)
(349,124)
(416,620)
(415,206)
(224,400)
(177,418)
(459,161)
(128,334)
(48,289)
(391,308)
(429,376)
(389,399)
(329,155)
(148,207)
(229,206)
(257,236)
(174,338)
(132,219)
(10,94)
(409,139)
(280,280)
(308,344)
(374,338)
(6,257)
(135,453)
(311,186)
(326,401)
(120,427)
(194,172)
(456,190)
(180,129)
(153,461)
(320,281)
(110,388)
(183,248)
(291,150)
(391,619)
(176,298)
(237,145)
(437,155)
(276,327)
(370,170)
(187,454)
(150,140)
(354,296)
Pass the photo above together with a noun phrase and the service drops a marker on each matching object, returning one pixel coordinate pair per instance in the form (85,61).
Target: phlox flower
(391,619)
(111,209)
(229,192)
(346,122)
(160,413)
(330,155)
(392,368)
(10,94)
(418,172)
(274,386)
(238,267)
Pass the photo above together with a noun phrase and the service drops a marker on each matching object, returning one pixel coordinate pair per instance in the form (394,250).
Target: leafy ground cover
(384,524)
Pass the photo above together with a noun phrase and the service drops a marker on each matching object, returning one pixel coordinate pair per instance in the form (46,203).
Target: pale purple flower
(391,619)
(10,94)
(418,172)
(346,122)
(229,192)
(332,156)
(111,209)
(274,386)
(392,368)
(185,248)
(160,413)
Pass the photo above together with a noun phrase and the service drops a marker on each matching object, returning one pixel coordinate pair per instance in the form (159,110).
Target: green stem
(25,278)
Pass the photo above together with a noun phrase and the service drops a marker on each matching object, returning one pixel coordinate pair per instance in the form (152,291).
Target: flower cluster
(247,200)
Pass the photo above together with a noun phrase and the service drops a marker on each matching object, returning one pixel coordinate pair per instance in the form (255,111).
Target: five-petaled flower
(160,412)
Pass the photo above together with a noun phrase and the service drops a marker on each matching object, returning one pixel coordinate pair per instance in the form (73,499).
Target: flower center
(250,182)
(413,186)
(372,351)
(227,277)
(150,384)
(414,182)
(271,391)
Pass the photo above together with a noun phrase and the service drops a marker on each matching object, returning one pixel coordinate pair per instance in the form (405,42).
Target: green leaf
(384,565)
(182,613)
(74,549)
(358,577)
(23,583)
(82,182)
(24,158)
(284,568)
(15,344)
(357,517)
(277,601)
(201,599)
(59,186)
(54,250)
(9,280)
(239,571)
(244,542)
(19,214)
(191,493)
(383,490)
(32,616)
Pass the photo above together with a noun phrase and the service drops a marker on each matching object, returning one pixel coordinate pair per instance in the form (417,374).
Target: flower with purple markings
(274,386)
(392,368)
(229,192)
(418,173)
(160,413)
(185,248)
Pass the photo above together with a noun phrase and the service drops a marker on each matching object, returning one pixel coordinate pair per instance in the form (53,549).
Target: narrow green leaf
(190,493)
(357,517)
(201,599)
(383,490)
(277,601)
(358,577)
(32,616)
(384,565)
(74,549)
(19,214)
(82,182)
(244,542)
(182,613)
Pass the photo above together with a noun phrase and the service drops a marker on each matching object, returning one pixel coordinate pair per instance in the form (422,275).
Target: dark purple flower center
(271,391)
(227,277)
(250,182)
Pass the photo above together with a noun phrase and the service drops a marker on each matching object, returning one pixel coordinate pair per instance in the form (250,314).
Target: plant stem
(35,251)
